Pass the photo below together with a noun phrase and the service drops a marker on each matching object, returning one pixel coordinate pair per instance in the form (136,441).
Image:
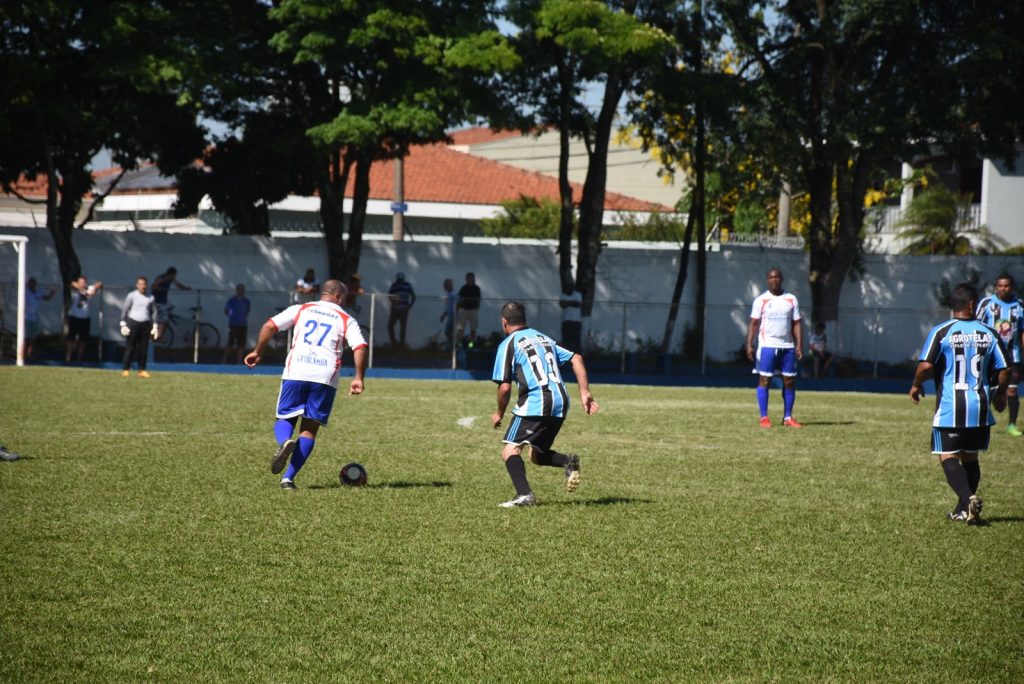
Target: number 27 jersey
(531,358)
(321,330)
(964,353)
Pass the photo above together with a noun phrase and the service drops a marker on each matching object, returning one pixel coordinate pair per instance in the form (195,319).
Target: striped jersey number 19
(961,366)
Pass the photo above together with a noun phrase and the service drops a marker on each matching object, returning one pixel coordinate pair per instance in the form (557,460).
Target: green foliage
(526,217)
(656,227)
(145,539)
(939,222)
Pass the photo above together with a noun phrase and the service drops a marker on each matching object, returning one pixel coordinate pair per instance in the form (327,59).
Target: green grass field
(145,539)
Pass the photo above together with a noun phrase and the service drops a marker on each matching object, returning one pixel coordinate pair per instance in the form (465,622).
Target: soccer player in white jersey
(775,321)
(310,378)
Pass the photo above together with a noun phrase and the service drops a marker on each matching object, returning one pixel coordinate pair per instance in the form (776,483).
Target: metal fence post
(195,327)
(373,314)
(622,360)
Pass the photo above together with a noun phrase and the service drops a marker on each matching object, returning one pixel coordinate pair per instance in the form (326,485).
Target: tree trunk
(331,186)
(677,293)
(567,214)
(357,221)
(592,202)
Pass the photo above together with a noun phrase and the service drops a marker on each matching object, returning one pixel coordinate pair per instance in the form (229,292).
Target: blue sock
(305,448)
(762,400)
(788,397)
(283,430)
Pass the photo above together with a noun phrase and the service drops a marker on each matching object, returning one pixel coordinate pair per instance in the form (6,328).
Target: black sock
(973,470)
(956,476)
(551,458)
(517,471)
(1013,403)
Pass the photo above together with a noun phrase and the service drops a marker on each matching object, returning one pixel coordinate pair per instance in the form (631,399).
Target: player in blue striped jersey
(531,359)
(1005,313)
(962,354)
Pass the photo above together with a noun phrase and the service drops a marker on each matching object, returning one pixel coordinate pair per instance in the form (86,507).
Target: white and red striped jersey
(776,313)
(321,328)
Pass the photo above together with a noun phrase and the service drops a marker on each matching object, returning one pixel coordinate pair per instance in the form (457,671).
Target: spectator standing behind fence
(79,318)
(237,310)
(448,298)
(402,297)
(307,288)
(160,289)
(571,302)
(355,288)
(32,299)
(467,310)
(819,351)
(138,316)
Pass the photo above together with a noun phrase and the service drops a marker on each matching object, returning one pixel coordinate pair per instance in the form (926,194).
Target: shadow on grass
(999,519)
(603,501)
(400,484)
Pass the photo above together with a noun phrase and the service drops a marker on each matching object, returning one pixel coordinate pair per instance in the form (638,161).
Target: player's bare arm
(267,332)
(999,398)
(586,398)
(504,394)
(751,334)
(359,356)
(923,372)
(798,339)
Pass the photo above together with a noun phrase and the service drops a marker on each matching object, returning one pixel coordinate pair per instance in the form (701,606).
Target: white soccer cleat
(520,501)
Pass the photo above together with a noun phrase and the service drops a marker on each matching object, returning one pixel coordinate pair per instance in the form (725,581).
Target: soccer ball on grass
(353,475)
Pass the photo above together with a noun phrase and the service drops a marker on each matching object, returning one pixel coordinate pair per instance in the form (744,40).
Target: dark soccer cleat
(520,501)
(8,455)
(974,511)
(287,484)
(282,456)
(572,472)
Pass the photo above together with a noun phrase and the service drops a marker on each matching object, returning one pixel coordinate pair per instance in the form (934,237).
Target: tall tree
(79,77)
(392,74)
(567,44)
(840,89)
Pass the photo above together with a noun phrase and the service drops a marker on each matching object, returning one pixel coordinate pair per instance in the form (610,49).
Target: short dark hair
(964,295)
(1004,276)
(514,313)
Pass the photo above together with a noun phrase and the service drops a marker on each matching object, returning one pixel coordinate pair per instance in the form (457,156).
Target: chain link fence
(622,338)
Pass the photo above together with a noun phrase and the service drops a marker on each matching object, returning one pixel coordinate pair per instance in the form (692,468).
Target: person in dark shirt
(402,297)
(467,310)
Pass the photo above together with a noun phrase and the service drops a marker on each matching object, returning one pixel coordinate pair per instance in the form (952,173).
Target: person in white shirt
(775,322)
(79,317)
(309,382)
(307,289)
(138,318)
(32,299)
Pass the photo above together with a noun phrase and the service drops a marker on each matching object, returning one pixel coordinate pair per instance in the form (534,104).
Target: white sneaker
(523,500)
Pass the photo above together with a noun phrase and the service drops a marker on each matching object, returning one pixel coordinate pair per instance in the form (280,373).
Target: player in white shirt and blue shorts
(309,382)
(775,321)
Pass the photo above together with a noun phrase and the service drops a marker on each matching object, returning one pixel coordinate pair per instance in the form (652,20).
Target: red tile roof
(473,136)
(433,173)
(437,173)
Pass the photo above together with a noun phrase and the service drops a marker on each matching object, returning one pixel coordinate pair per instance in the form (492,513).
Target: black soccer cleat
(288,485)
(282,456)
(572,472)
(974,511)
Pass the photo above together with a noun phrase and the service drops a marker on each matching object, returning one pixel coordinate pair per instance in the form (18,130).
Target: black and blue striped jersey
(531,359)
(1007,319)
(964,353)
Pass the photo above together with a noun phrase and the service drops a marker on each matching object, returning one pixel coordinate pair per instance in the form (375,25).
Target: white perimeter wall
(886,313)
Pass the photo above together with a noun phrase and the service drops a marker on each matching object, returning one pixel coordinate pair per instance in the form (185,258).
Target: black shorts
(237,335)
(956,440)
(78,328)
(537,431)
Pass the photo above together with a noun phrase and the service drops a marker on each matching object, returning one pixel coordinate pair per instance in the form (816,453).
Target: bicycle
(209,336)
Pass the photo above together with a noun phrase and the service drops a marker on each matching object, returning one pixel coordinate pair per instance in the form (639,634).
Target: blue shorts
(775,359)
(311,400)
